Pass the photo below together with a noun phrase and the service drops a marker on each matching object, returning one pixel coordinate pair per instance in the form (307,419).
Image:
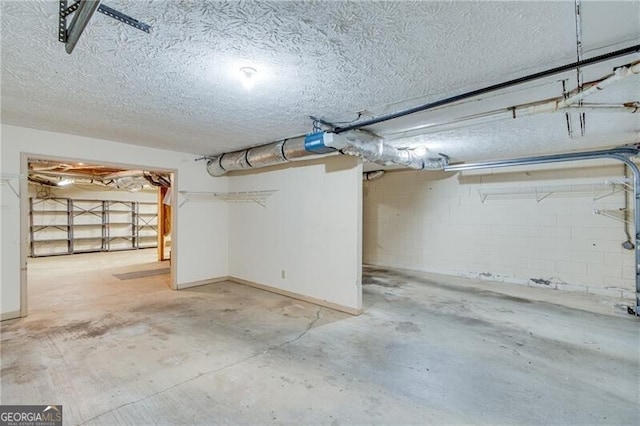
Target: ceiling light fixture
(248,77)
(420,151)
(64,182)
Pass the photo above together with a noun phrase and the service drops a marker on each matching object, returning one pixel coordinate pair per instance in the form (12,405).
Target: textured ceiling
(175,88)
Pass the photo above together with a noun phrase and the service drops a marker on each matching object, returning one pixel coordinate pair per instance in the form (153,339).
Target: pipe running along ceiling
(53,173)
(350,140)
(356,143)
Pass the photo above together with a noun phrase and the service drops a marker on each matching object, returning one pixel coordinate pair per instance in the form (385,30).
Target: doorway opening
(94,231)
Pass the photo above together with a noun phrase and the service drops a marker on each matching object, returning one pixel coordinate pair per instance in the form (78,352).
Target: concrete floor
(427,350)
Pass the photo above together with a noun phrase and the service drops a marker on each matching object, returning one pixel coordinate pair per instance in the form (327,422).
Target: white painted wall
(437,222)
(310,229)
(202,227)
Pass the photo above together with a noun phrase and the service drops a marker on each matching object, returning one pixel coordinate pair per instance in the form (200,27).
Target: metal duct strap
(214,168)
(266,154)
(375,150)
(294,148)
(235,160)
(259,156)
(315,143)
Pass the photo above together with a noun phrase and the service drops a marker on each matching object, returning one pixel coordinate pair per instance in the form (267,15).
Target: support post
(162,191)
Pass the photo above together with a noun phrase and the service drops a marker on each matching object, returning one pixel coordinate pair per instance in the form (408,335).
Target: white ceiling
(175,88)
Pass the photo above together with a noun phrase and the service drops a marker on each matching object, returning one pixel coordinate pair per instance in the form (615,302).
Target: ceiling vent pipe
(489,89)
(375,150)
(260,156)
(357,143)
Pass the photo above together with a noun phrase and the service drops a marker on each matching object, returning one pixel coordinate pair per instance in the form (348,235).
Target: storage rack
(70,226)
(257,197)
(596,190)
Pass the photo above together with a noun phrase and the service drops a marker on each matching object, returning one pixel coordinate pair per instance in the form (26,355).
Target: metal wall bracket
(63,12)
(125,19)
(597,191)
(257,197)
(83,10)
(7,179)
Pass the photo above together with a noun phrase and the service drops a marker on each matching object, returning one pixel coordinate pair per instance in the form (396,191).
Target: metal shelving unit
(62,226)
(55,220)
(146,228)
(87,226)
(120,225)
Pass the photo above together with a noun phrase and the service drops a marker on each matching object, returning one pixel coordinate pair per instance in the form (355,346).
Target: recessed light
(248,77)
(64,182)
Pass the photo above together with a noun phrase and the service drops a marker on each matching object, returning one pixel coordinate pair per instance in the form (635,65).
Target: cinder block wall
(438,222)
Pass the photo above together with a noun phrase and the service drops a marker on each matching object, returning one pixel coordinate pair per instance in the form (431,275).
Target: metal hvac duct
(259,156)
(359,144)
(375,150)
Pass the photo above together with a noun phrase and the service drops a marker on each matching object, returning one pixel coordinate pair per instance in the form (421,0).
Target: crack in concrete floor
(216,371)
(429,350)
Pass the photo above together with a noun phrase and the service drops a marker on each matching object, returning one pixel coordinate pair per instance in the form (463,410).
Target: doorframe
(24,213)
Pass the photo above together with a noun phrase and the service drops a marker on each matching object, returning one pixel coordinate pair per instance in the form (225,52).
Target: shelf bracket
(82,11)
(8,180)
(125,19)
(612,214)
(542,195)
(257,197)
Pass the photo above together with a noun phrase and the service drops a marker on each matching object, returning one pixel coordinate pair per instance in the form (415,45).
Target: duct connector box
(324,142)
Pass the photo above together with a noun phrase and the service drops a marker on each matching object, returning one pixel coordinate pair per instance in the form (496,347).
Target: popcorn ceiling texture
(174,88)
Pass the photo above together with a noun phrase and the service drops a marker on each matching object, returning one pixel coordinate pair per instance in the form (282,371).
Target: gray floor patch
(142,274)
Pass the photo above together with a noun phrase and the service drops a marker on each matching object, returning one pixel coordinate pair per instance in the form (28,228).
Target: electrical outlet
(283,274)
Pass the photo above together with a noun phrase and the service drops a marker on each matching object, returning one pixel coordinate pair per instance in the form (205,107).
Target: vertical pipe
(627,233)
(636,219)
